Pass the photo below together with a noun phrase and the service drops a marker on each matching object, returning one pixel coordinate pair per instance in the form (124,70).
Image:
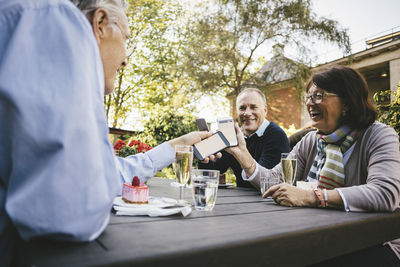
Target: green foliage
(168,126)
(126,151)
(225,36)
(153,80)
(289,131)
(389,110)
(167,172)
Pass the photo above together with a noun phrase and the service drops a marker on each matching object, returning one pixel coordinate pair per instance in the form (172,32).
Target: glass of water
(268,179)
(205,187)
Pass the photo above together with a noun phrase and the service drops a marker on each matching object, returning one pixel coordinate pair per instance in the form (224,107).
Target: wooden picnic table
(242,230)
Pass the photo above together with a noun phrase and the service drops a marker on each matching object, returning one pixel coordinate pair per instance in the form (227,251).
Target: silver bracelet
(325,198)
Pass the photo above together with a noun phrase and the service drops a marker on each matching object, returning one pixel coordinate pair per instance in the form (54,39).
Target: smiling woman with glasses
(352,159)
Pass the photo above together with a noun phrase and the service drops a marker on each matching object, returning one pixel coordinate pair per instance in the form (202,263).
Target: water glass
(205,187)
(269,179)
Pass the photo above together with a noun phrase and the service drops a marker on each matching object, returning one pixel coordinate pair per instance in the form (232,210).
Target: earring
(343,113)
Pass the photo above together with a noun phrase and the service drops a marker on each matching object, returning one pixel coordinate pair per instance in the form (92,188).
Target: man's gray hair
(115,8)
(256,90)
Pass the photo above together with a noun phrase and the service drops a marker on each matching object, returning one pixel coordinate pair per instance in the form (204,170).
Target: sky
(364,19)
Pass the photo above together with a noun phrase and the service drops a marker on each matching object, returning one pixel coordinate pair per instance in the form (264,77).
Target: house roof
(363,58)
(278,69)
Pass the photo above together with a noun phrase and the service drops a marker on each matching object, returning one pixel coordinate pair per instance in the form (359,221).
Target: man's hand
(288,195)
(241,154)
(241,147)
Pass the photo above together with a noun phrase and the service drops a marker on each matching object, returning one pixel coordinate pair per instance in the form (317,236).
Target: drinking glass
(268,179)
(205,187)
(183,165)
(289,164)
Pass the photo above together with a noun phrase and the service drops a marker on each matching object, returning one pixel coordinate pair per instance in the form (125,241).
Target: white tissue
(157,206)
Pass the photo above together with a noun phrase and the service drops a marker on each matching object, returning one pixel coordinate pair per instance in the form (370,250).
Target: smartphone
(227,127)
(202,124)
(210,145)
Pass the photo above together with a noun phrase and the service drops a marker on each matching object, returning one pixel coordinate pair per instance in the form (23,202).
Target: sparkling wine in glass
(183,165)
(289,164)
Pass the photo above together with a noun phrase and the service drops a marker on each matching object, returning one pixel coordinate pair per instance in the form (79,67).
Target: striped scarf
(328,167)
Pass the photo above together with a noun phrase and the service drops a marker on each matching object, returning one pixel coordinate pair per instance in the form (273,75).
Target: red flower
(142,147)
(134,143)
(119,144)
(135,146)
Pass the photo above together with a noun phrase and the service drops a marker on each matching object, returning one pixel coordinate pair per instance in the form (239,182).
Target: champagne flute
(183,165)
(289,164)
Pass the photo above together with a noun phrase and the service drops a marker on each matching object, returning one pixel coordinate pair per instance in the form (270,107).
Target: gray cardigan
(372,172)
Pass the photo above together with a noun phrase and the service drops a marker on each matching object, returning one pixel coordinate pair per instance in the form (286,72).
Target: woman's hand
(288,195)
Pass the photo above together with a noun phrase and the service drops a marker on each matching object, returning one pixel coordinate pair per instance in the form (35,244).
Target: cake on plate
(135,192)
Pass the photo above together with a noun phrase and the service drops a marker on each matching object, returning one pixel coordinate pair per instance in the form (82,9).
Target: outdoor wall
(395,72)
(284,107)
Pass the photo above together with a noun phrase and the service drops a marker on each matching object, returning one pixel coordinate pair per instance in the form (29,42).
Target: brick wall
(284,106)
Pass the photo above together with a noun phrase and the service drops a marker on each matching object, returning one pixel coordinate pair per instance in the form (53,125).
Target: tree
(168,125)
(220,55)
(152,80)
(389,109)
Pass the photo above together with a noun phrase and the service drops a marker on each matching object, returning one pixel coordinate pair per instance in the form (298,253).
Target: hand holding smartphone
(227,127)
(210,145)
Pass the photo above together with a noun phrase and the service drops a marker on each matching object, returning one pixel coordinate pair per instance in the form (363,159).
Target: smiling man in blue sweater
(265,140)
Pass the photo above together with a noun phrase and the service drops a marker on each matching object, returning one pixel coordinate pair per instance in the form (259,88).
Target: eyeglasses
(130,47)
(317,97)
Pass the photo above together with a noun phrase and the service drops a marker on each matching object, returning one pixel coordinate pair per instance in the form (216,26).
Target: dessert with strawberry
(135,192)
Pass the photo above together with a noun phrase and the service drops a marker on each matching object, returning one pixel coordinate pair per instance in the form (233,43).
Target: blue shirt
(58,172)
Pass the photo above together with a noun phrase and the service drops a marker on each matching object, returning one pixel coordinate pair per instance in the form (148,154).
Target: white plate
(160,202)
(224,185)
(158,206)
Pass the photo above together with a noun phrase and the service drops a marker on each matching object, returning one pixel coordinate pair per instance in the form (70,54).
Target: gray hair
(256,90)
(115,8)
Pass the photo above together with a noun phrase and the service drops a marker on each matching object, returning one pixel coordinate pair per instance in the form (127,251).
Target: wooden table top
(242,229)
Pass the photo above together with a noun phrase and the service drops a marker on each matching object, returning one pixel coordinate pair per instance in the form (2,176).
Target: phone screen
(227,127)
(210,145)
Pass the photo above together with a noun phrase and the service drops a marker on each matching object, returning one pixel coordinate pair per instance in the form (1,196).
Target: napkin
(158,206)
(307,185)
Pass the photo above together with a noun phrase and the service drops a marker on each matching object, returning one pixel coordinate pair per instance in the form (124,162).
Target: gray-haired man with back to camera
(58,172)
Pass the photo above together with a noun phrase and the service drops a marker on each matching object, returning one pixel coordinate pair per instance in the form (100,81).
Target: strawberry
(135,181)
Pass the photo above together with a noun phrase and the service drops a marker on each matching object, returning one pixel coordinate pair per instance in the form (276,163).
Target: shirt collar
(260,131)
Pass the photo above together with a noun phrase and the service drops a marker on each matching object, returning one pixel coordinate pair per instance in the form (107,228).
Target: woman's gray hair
(115,8)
